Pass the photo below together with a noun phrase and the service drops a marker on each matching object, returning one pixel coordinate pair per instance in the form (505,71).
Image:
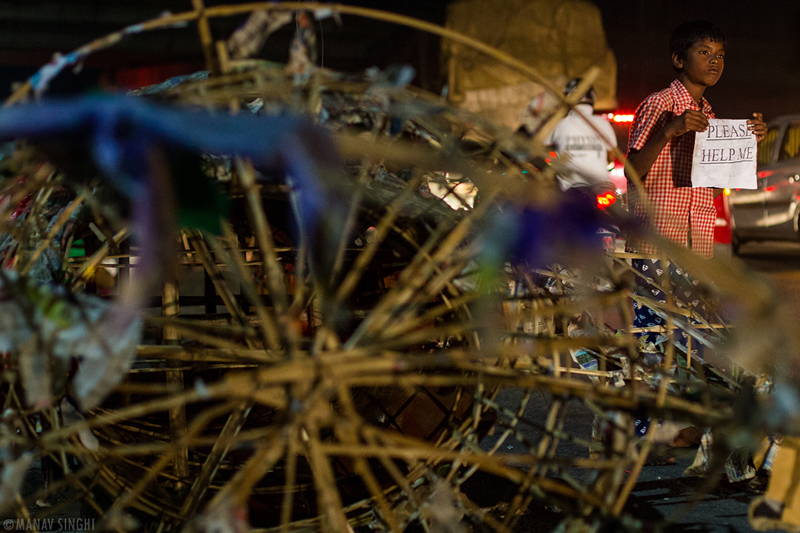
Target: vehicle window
(790,147)
(766,145)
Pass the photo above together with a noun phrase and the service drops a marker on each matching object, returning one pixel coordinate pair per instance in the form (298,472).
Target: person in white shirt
(590,149)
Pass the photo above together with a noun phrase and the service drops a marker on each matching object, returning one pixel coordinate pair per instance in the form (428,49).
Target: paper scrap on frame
(725,155)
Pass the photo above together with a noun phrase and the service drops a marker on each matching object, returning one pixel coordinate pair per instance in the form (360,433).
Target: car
(771,211)
(722,224)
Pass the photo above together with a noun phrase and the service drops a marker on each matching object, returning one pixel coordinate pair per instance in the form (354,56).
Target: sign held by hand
(725,155)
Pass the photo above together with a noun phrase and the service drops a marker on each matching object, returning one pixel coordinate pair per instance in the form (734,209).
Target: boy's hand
(689,120)
(757,126)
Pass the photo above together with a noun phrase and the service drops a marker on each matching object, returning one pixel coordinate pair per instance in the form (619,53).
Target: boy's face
(703,63)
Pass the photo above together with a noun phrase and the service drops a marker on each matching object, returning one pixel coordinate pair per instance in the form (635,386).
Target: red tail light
(618,117)
(606,199)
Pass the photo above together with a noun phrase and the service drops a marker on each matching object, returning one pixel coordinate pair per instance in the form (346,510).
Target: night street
(298,266)
(780,262)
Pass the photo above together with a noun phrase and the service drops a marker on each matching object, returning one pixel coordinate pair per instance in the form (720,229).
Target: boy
(660,149)
(661,141)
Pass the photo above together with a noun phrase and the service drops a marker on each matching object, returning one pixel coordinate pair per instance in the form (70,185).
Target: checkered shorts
(684,293)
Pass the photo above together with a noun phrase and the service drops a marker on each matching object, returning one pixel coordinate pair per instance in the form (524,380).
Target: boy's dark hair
(688,33)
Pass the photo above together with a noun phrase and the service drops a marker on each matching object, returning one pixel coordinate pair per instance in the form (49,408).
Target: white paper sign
(725,155)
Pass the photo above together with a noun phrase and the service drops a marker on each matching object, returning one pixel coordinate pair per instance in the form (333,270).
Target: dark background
(762,71)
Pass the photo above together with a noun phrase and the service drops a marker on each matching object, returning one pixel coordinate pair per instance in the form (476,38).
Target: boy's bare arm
(642,160)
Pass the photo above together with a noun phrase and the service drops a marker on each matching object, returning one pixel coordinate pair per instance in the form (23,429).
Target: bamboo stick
(62,219)
(177,413)
(221,447)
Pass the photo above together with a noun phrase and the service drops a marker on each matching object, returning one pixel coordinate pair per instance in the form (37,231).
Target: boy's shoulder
(664,98)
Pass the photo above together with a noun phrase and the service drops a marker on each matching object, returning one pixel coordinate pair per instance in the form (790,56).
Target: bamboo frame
(290,389)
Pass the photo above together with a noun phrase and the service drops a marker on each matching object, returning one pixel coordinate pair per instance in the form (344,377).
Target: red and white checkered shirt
(678,209)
